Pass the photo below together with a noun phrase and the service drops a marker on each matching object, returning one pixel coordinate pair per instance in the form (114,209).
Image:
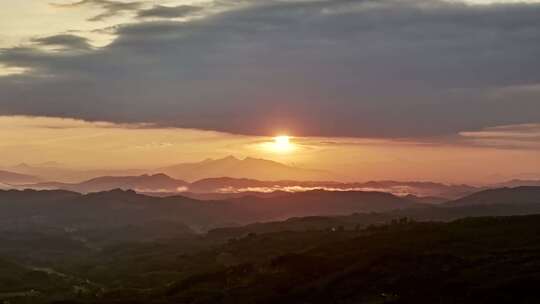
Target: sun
(282,140)
(282,143)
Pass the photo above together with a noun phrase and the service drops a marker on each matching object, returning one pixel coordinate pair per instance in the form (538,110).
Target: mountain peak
(249,158)
(230,158)
(160,175)
(249,167)
(22,165)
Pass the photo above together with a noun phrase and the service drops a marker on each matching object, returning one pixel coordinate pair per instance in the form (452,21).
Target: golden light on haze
(282,144)
(79,144)
(278,147)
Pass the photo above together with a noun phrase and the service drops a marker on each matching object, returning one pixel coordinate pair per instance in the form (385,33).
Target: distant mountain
(438,192)
(7,177)
(236,185)
(422,189)
(56,172)
(252,168)
(518,183)
(142,183)
(511,196)
(228,187)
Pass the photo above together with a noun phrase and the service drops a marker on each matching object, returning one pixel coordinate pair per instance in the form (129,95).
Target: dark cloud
(332,68)
(160,11)
(64,40)
(525,136)
(111,8)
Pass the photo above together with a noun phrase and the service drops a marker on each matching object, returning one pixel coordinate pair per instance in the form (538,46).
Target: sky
(405,89)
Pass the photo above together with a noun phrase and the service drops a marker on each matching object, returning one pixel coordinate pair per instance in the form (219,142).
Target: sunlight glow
(282,143)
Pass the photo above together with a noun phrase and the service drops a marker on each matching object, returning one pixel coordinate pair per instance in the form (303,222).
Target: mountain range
(119,208)
(227,187)
(226,178)
(518,182)
(52,171)
(252,168)
(7,177)
(516,196)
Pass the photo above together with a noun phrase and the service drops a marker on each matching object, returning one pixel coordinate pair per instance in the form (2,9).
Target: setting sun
(282,143)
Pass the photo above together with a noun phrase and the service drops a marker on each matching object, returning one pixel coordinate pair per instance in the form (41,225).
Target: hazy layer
(492,154)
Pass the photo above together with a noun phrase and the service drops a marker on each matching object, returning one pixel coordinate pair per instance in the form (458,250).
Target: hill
(226,187)
(319,202)
(518,183)
(123,247)
(120,208)
(514,196)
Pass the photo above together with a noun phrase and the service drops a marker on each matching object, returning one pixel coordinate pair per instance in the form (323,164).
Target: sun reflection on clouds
(5,71)
(82,144)
(281,144)
(22,21)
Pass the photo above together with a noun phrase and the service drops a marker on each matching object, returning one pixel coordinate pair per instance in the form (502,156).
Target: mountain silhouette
(518,183)
(142,183)
(118,209)
(249,167)
(53,171)
(320,202)
(12,178)
(438,192)
(115,207)
(514,196)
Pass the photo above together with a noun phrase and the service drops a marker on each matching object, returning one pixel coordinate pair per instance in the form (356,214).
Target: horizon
(153,171)
(142,84)
(80,145)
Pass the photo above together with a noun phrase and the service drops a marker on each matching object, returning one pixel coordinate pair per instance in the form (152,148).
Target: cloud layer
(381,68)
(110,8)
(160,11)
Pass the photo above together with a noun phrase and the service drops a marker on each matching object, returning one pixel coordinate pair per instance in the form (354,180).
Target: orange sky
(487,155)
(240,67)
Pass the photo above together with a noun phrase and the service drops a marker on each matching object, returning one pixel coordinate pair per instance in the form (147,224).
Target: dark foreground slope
(117,208)
(475,260)
(122,247)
